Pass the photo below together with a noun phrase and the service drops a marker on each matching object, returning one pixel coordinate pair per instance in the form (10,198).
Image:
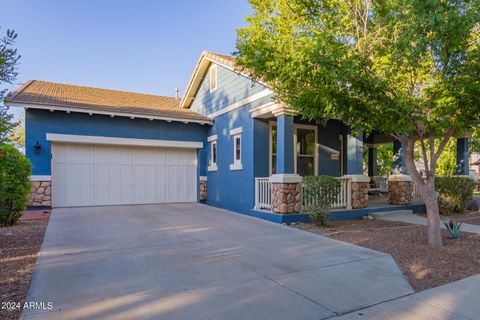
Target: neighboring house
(223,143)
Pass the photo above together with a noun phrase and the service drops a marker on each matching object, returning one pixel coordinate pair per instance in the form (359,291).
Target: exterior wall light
(38,148)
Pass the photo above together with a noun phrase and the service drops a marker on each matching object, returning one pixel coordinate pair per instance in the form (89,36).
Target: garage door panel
(102,194)
(139,184)
(79,154)
(127,194)
(115,174)
(84,175)
(59,151)
(126,175)
(101,174)
(100,155)
(115,194)
(120,155)
(58,188)
(161,158)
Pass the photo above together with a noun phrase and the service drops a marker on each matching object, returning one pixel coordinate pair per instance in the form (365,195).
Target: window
(214,153)
(305,151)
(273,145)
(238,154)
(237,149)
(212,165)
(213,77)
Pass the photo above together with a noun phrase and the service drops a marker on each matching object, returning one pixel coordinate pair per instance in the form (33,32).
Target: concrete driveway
(192,261)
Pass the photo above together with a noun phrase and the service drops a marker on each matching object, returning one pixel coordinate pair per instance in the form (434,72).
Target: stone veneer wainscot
(41,194)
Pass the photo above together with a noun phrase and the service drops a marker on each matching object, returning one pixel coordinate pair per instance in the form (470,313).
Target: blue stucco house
(227,143)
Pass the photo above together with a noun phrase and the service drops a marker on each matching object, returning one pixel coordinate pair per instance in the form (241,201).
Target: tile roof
(53,94)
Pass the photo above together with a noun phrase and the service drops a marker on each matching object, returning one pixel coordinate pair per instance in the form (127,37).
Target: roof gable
(201,68)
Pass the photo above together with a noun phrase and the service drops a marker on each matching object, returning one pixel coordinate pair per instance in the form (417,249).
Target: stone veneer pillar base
(203,188)
(286,193)
(359,189)
(40,194)
(400,189)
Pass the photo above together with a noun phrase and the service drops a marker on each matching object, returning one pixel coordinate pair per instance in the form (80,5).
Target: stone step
(391,213)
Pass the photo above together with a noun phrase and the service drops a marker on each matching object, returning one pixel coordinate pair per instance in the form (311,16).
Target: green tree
(475,141)
(8,73)
(408,68)
(18,135)
(447,162)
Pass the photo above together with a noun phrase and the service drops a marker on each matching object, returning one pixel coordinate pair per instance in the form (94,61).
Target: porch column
(286,185)
(462,165)
(372,162)
(355,153)
(285,151)
(399,162)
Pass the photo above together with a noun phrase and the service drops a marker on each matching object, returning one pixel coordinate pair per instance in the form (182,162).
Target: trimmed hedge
(319,192)
(14,184)
(454,193)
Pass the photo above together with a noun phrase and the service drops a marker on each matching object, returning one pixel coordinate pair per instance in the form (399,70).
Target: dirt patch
(19,248)
(35,215)
(424,266)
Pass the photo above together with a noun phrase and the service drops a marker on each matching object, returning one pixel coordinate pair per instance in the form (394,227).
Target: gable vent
(213,77)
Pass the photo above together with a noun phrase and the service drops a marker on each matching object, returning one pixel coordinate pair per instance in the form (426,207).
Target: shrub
(319,192)
(453,228)
(454,193)
(14,184)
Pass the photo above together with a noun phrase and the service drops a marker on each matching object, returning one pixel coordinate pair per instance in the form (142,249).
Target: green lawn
(476,193)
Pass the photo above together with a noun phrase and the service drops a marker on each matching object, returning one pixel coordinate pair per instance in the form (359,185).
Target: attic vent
(213,77)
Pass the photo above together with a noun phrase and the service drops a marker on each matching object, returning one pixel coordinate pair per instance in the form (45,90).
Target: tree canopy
(394,66)
(409,69)
(8,73)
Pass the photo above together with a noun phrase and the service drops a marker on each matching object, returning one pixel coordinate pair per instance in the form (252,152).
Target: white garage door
(90,175)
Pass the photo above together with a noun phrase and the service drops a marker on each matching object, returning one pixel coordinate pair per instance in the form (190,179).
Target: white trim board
(40,178)
(264,109)
(70,138)
(112,114)
(236,131)
(241,103)
(212,138)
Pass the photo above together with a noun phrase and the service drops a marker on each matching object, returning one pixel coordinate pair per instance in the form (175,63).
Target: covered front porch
(300,148)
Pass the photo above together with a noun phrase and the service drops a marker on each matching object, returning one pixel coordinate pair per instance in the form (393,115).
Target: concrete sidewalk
(192,261)
(415,219)
(458,300)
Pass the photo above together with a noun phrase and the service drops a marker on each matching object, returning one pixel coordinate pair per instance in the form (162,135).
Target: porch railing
(263,194)
(343,197)
(382,185)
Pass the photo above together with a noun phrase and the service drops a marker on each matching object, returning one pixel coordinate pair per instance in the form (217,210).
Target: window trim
(214,69)
(212,166)
(236,135)
(315,152)
(295,127)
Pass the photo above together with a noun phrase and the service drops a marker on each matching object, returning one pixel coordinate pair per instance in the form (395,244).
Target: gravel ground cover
(424,266)
(19,248)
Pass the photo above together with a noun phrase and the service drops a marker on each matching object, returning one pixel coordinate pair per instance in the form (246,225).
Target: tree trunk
(429,195)
(434,231)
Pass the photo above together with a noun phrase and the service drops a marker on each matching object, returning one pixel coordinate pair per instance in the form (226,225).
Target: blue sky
(144,46)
